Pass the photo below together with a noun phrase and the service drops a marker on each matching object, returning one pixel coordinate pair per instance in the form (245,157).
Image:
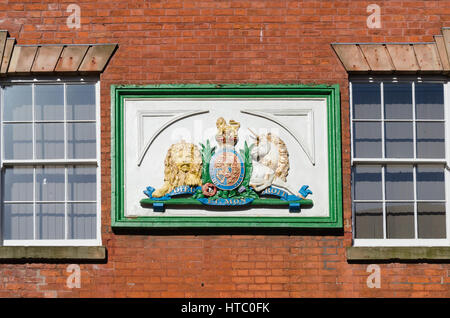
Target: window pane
(80,102)
(366,99)
(50,183)
(367,182)
(429,101)
(49,102)
(49,141)
(81,140)
(399,140)
(399,182)
(368,220)
(18,184)
(431,220)
(82,221)
(430,182)
(82,183)
(17,140)
(50,186)
(430,140)
(397,100)
(17,221)
(50,221)
(367,140)
(18,102)
(399,220)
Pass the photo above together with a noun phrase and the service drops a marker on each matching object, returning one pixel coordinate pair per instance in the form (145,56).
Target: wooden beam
(377,56)
(351,57)
(440,45)
(3,37)
(22,59)
(427,56)
(9,46)
(97,57)
(446,36)
(46,58)
(71,58)
(403,57)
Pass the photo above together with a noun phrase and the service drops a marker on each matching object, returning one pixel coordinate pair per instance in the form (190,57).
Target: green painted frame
(330,92)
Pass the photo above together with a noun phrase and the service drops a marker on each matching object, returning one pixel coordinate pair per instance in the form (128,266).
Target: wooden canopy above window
(59,58)
(397,57)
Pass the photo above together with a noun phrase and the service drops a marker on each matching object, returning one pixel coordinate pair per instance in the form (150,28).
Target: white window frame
(62,162)
(359,242)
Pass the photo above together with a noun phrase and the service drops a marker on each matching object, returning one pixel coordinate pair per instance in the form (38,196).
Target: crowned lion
(183,166)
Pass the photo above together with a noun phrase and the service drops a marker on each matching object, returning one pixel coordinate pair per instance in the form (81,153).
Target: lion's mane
(174,176)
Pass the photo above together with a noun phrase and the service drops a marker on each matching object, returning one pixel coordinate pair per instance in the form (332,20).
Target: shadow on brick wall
(229,231)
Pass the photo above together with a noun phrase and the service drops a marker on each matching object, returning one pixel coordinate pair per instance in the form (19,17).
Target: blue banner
(182,190)
(177,191)
(283,195)
(276,192)
(225,202)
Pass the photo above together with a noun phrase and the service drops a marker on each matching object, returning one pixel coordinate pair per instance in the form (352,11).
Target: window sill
(398,253)
(49,253)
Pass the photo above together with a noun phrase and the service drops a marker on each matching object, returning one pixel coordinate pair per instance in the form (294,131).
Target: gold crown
(227,134)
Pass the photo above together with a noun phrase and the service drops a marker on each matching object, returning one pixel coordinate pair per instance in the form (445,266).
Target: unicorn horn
(253,133)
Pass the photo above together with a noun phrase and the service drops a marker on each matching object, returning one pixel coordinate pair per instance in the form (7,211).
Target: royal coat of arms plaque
(226,156)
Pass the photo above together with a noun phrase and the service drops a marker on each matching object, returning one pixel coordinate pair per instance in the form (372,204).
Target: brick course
(210,41)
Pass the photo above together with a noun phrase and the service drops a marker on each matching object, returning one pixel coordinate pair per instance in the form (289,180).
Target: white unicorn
(270,161)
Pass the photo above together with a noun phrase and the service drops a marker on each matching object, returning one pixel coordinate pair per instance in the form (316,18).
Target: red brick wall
(220,41)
